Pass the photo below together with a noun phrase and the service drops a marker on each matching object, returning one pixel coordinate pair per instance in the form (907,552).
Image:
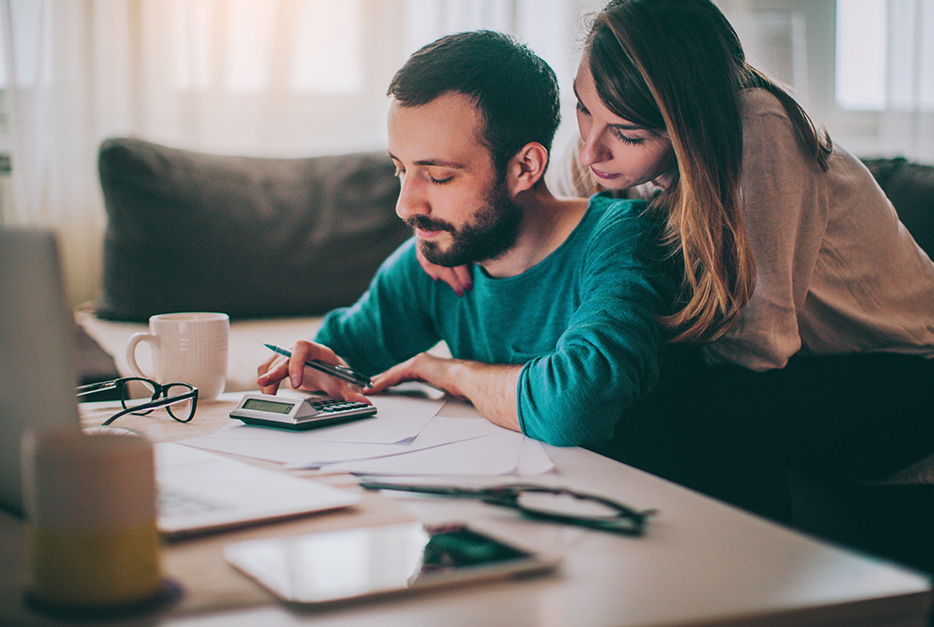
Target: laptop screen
(37,374)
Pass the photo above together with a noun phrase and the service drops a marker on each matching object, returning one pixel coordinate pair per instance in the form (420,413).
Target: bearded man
(559,334)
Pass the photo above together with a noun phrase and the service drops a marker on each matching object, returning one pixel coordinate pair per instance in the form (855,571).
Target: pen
(341,372)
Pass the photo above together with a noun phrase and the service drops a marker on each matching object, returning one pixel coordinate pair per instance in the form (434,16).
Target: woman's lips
(603,175)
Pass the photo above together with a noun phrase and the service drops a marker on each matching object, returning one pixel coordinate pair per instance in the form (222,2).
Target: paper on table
(398,418)
(533,460)
(439,432)
(285,447)
(303,449)
(497,454)
(501,451)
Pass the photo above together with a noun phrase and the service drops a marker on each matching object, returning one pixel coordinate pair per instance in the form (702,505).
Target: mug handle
(133,342)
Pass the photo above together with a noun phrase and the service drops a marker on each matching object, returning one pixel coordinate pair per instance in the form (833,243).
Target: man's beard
(492,231)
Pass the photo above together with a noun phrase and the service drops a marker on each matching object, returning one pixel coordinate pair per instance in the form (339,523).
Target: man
(559,334)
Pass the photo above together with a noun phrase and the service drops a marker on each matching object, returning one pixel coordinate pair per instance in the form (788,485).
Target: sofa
(276,243)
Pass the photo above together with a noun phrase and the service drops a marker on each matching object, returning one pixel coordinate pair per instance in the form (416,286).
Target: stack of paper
(407,437)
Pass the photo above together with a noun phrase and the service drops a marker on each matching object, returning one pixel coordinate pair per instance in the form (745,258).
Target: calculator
(298,413)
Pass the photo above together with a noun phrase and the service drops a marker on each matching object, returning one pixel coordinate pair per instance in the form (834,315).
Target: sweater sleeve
(785,214)
(609,355)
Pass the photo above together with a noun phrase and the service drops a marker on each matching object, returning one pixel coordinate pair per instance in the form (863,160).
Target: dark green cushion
(251,237)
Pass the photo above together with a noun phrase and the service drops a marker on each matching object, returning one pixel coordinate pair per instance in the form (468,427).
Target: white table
(701,562)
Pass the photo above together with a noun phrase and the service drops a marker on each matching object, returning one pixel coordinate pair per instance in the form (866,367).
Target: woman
(812,307)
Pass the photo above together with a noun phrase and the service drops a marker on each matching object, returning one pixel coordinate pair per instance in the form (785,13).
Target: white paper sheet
(444,446)
(398,419)
(302,449)
(533,460)
(489,455)
(497,454)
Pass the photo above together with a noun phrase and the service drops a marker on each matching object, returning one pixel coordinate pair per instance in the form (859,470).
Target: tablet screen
(353,563)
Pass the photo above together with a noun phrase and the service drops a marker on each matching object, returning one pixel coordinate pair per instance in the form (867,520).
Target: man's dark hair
(515,91)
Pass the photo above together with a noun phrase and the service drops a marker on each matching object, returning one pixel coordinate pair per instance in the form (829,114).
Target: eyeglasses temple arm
(442,490)
(154,405)
(90,388)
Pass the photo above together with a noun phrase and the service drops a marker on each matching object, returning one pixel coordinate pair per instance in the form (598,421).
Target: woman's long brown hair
(678,66)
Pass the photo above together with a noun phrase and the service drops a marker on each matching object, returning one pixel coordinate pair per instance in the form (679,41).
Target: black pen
(341,372)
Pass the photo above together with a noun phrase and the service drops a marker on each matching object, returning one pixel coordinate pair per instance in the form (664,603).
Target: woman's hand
(458,278)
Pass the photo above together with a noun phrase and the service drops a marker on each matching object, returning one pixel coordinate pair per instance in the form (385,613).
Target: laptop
(198,491)
(37,376)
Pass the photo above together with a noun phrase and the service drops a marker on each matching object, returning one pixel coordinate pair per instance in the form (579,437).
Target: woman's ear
(526,168)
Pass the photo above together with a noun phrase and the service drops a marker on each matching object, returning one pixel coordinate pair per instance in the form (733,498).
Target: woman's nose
(592,148)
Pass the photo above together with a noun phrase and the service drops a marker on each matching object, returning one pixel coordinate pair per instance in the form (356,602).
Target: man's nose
(411,200)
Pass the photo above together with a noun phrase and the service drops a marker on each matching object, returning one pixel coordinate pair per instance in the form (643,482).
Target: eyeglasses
(140,397)
(542,502)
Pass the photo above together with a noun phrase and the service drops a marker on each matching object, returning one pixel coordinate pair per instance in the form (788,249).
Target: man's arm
(606,357)
(383,328)
(389,323)
(491,388)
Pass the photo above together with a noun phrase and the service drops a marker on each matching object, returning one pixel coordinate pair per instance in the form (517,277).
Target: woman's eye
(582,109)
(632,141)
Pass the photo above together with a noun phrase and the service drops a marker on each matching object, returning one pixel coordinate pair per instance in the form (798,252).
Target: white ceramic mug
(186,348)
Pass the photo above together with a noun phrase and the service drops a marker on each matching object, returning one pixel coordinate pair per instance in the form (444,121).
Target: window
(862,68)
(317,41)
(860,54)
(885,55)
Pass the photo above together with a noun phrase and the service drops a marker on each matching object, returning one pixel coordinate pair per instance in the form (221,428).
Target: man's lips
(425,234)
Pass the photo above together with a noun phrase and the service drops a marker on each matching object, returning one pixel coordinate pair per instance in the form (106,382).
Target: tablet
(332,566)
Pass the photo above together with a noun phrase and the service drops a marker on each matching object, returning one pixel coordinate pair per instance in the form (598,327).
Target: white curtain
(305,77)
(906,124)
(892,113)
(253,77)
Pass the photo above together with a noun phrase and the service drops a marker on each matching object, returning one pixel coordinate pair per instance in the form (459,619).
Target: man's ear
(526,167)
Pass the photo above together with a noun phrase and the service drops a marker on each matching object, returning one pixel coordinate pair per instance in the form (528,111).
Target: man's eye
(440,181)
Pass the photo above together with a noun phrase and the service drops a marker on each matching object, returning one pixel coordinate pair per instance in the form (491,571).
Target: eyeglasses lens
(183,409)
(136,392)
(566,506)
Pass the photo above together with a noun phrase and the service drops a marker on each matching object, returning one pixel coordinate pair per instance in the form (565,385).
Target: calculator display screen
(272,407)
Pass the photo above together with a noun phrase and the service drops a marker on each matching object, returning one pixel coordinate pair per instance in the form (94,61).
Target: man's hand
(436,371)
(458,278)
(278,367)
(491,388)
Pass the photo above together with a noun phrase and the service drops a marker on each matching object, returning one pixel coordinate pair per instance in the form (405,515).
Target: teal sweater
(582,321)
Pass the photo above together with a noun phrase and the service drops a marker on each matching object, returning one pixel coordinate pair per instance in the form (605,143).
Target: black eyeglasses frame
(628,521)
(160,397)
